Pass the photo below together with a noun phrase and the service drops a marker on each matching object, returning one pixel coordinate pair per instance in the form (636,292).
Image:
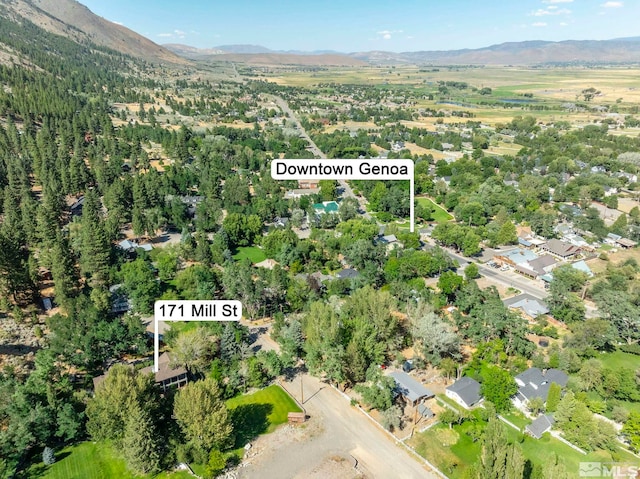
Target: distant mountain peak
(75,21)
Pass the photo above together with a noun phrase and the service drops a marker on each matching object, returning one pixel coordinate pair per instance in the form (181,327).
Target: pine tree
(95,249)
(63,269)
(515,463)
(493,460)
(140,442)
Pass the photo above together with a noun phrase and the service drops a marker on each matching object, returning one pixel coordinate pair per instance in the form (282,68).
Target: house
(582,266)
(280,222)
(308,184)
(598,169)
(560,249)
(610,190)
(390,241)
(535,382)
(76,207)
(300,192)
(120,302)
(267,263)
(465,391)
(411,390)
(540,425)
(425,233)
(529,305)
(130,246)
(166,376)
(576,240)
(447,146)
(612,239)
(347,273)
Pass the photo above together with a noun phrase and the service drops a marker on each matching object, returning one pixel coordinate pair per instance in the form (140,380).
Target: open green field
(619,359)
(89,460)
(439,214)
(252,414)
(260,412)
(453,451)
(255,255)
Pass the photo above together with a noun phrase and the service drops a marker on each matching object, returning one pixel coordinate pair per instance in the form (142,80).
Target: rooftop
(468,389)
(409,387)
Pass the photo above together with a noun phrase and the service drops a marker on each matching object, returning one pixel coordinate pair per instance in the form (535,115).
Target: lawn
(439,214)
(619,359)
(255,255)
(260,412)
(455,459)
(89,460)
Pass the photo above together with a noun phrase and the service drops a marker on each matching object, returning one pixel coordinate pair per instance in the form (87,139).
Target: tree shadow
(249,421)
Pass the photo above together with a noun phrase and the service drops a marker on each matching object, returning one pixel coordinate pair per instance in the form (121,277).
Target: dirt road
(340,430)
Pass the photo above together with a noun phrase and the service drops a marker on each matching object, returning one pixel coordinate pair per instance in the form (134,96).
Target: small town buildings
(516,256)
(465,391)
(560,249)
(411,390)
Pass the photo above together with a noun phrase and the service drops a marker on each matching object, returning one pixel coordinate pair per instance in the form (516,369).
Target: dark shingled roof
(535,383)
(540,425)
(468,389)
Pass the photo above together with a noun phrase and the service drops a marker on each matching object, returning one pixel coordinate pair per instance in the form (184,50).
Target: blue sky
(362,25)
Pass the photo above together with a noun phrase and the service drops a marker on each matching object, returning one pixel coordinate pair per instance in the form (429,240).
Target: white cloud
(539,24)
(386,34)
(175,34)
(557,1)
(552,10)
(563,24)
(612,4)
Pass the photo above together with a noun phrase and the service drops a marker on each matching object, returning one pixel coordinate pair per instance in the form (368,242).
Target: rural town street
(346,189)
(344,431)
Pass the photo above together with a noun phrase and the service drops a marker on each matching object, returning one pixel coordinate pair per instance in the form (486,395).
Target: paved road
(346,189)
(345,431)
(507,278)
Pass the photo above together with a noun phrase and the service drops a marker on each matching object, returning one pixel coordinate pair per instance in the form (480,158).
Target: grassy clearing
(255,254)
(86,460)
(260,412)
(619,359)
(439,214)
(455,459)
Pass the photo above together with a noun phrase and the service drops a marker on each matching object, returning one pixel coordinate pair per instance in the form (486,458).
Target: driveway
(336,429)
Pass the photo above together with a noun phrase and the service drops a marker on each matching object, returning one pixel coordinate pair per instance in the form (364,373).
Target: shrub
(48,456)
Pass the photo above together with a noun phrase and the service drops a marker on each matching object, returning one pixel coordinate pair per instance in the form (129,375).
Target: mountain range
(619,50)
(75,21)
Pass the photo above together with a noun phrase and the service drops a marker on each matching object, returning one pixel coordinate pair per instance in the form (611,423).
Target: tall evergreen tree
(95,249)
(140,442)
